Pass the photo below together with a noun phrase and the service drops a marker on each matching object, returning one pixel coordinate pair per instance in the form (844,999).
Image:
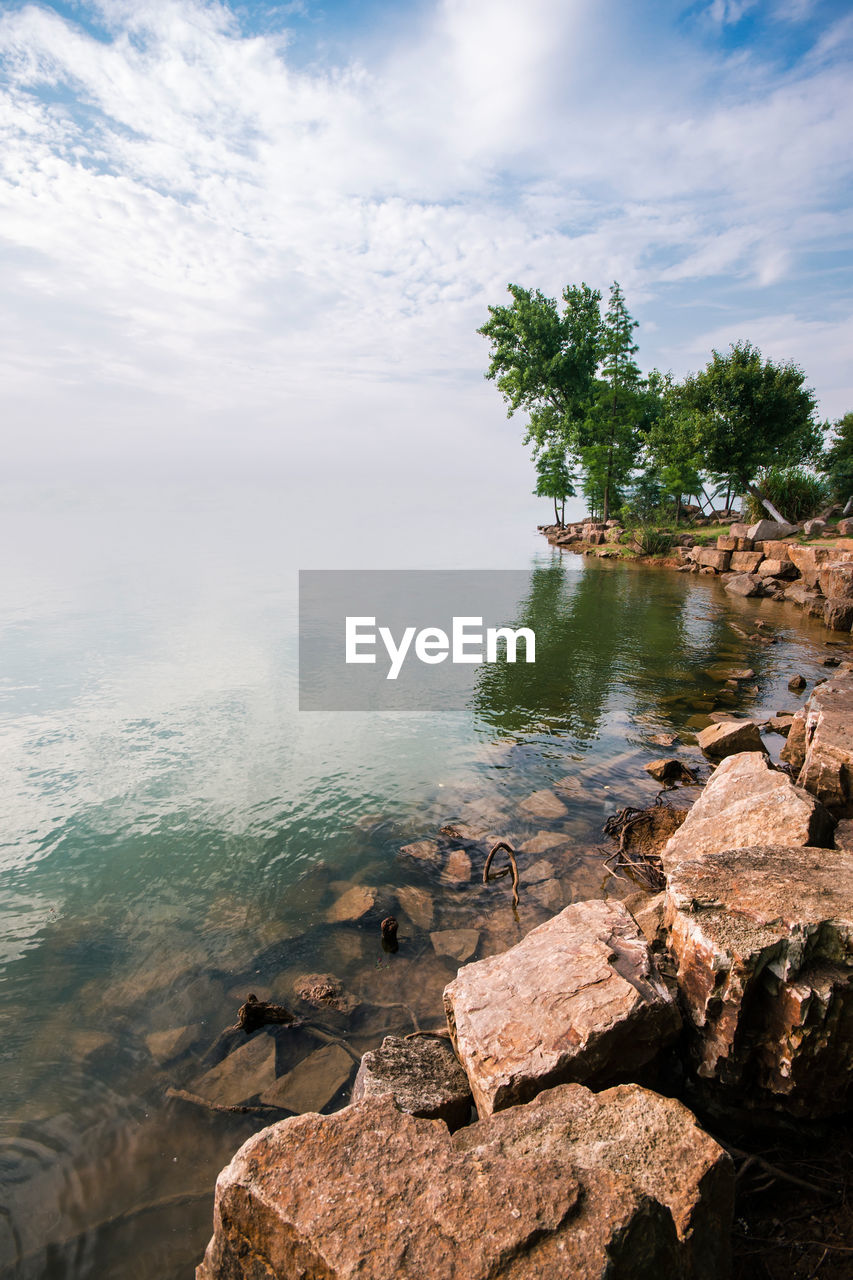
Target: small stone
(780,724)
(663,739)
(422,1075)
(459,944)
(323,990)
(543,804)
(796,683)
(670,770)
(352,905)
(313,1083)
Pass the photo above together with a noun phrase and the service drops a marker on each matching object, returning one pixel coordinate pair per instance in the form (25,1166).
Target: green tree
(837,462)
(671,450)
(748,413)
(543,359)
(554,479)
(610,434)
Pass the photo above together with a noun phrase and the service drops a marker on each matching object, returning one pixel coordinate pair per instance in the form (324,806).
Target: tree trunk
(563,514)
(848,507)
(677,509)
(556,512)
(767,505)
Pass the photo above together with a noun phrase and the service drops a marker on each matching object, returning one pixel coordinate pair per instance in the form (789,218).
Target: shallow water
(175,834)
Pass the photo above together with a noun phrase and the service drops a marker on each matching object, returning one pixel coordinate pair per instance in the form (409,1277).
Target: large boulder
(820,744)
(770,529)
(744,584)
(423,1076)
(838,613)
(811,560)
(729,737)
(748,802)
(711,558)
(623,1185)
(836,580)
(806,598)
(763,938)
(746,561)
(578,1000)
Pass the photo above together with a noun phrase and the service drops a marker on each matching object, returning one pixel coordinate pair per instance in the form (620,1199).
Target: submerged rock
(763,937)
(597,1188)
(578,999)
(314,1083)
(459,944)
(245,1073)
(748,802)
(543,804)
(423,1076)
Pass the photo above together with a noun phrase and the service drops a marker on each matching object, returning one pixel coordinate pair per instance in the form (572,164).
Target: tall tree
(838,461)
(670,447)
(749,413)
(543,359)
(554,479)
(610,435)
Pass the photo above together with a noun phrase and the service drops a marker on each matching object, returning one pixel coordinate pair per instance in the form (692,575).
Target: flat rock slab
(246,1072)
(352,905)
(594,1188)
(763,937)
(423,1076)
(747,802)
(543,804)
(313,1083)
(579,999)
(729,737)
(417,904)
(820,744)
(459,944)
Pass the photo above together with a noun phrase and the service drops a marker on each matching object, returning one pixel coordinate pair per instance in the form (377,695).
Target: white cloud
(191,220)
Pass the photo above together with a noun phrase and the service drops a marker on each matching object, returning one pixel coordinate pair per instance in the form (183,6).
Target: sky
(260,237)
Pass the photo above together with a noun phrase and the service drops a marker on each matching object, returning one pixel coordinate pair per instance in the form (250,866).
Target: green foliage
(837,462)
(610,433)
(543,359)
(652,542)
(797,492)
(644,500)
(747,413)
(554,479)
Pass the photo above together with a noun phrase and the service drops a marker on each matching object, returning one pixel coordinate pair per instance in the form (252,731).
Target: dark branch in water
(502,844)
(260,1013)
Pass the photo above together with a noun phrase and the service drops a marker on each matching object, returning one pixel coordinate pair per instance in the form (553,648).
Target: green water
(175,834)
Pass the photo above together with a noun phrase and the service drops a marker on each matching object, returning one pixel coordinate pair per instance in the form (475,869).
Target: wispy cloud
(190,217)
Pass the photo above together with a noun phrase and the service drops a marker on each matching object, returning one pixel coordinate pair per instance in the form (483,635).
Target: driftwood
(183,1095)
(260,1013)
(641,834)
(513,866)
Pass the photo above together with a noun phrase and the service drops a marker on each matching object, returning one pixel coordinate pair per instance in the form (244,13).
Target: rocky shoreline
(763,559)
(545,1132)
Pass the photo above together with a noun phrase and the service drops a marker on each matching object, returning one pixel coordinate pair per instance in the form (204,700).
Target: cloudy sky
(265,233)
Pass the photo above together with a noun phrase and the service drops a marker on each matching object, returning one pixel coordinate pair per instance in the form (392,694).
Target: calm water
(175,834)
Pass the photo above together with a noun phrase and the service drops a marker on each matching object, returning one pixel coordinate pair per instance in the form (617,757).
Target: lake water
(175,834)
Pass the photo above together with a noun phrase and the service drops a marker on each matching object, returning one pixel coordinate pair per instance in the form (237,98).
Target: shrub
(652,542)
(797,493)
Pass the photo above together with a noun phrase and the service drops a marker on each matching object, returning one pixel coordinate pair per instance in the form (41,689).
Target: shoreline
(804,834)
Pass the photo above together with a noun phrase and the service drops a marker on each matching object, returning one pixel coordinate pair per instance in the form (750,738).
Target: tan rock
(798,593)
(770,529)
(711,558)
(549,894)
(780,724)
(313,1083)
(246,1072)
(165,1045)
(810,561)
(654,1143)
(764,942)
(744,584)
(422,1075)
(457,869)
(730,737)
(428,851)
(748,802)
(838,613)
(647,910)
(746,561)
(820,744)
(543,804)
(417,904)
(324,991)
(538,871)
(459,944)
(775,549)
(777,569)
(836,579)
(578,999)
(373,1193)
(543,841)
(352,905)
